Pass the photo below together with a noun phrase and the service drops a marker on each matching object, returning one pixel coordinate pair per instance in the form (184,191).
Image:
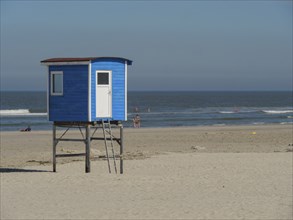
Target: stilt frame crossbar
(87,139)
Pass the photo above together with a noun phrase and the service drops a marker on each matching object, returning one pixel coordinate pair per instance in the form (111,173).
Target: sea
(164,109)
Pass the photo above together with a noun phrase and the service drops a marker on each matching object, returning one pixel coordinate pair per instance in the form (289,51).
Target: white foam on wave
(227,112)
(258,123)
(277,111)
(285,123)
(241,111)
(237,111)
(19,112)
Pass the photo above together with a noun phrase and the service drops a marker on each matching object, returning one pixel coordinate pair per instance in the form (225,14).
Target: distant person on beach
(136,121)
(26,129)
(236,110)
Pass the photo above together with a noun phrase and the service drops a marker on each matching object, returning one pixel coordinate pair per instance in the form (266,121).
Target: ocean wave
(286,111)
(238,118)
(163,113)
(277,111)
(17,124)
(285,123)
(258,123)
(19,112)
(237,111)
(227,112)
(257,110)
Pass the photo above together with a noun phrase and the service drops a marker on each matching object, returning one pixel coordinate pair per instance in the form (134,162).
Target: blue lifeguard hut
(87,92)
(87,89)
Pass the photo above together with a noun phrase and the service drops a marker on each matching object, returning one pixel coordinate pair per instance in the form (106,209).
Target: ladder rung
(67,139)
(108,139)
(70,155)
(104,158)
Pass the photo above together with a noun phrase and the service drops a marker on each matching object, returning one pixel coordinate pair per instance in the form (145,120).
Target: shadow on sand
(19,170)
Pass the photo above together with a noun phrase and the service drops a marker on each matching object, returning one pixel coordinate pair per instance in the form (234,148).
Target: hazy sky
(175,45)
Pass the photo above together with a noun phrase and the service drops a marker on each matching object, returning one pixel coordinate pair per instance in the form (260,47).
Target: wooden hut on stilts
(88,93)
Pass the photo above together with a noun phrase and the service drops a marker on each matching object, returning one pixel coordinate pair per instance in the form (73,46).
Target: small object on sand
(26,129)
(197,148)
(253,132)
(95,153)
(193,148)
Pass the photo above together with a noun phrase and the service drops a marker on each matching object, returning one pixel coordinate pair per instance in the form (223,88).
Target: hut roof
(81,59)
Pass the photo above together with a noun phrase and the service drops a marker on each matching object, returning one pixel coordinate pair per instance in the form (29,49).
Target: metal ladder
(107,130)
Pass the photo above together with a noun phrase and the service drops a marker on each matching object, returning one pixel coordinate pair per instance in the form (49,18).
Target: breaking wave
(277,111)
(19,112)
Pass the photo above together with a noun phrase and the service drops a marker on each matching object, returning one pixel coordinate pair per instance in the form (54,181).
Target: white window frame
(109,78)
(51,82)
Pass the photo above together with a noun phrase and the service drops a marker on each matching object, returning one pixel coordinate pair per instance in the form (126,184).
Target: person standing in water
(136,121)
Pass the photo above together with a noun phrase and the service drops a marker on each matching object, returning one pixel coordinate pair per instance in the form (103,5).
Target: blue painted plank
(73,104)
(118,87)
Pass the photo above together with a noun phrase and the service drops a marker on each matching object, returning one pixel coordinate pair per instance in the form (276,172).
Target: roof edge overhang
(80,61)
(65,63)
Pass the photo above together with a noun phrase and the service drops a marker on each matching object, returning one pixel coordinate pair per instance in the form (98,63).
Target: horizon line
(178,90)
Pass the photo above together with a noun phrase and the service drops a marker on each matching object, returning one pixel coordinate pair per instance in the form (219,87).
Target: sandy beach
(229,172)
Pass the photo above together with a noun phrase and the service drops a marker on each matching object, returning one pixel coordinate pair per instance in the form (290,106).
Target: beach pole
(54,147)
(88,149)
(121,149)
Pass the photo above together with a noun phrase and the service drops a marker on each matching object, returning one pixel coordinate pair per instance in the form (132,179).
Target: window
(103,78)
(57,83)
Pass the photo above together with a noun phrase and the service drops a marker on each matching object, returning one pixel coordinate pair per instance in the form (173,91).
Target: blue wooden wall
(117,66)
(73,104)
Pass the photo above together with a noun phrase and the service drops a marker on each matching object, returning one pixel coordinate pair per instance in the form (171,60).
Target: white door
(103,94)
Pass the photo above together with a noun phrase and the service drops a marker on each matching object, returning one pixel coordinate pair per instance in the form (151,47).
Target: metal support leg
(121,149)
(88,149)
(54,147)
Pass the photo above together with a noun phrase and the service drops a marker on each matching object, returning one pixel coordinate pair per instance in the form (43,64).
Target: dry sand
(237,172)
